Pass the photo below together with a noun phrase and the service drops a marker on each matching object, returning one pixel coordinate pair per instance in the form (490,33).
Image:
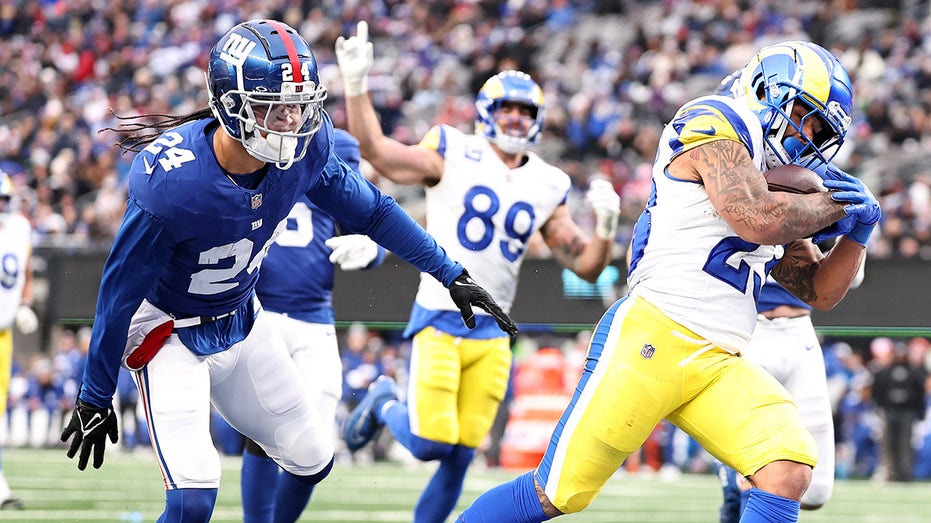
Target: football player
(486,194)
(299,304)
(786,344)
(710,234)
(209,192)
(15,300)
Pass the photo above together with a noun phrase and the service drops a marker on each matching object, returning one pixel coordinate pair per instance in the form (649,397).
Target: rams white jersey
(483,213)
(686,259)
(15,244)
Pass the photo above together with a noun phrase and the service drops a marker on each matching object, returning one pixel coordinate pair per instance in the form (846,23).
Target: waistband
(193,321)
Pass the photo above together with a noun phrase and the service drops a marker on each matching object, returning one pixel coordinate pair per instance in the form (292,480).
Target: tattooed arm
(739,193)
(819,280)
(584,256)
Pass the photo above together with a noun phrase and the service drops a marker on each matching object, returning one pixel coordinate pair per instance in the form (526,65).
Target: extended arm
(400,163)
(139,253)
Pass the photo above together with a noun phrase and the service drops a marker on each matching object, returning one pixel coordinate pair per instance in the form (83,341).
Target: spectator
(899,392)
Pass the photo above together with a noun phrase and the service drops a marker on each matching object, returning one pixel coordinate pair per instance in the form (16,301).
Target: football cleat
(363,423)
(12,504)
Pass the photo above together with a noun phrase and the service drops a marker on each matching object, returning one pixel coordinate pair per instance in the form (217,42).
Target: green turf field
(54,490)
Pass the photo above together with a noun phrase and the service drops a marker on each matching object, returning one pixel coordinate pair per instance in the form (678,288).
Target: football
(794,179)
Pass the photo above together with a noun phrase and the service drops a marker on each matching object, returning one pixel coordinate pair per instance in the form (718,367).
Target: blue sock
(439,499)
(513,502)
(291,497)
(395,416)
(730,507)
(744,498)
(259,477)
(188,505)
(763,507)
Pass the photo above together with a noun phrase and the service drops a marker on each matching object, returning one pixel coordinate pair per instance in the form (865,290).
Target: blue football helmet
(782,75)
(515,87)
(256,70)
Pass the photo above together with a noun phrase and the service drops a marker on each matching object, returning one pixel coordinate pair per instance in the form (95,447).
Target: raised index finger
(362,31)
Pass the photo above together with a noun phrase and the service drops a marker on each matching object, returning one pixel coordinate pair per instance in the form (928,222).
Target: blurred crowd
(612,73)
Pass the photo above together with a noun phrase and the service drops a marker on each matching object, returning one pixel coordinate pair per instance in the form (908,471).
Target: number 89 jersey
(483,213)
(686,259)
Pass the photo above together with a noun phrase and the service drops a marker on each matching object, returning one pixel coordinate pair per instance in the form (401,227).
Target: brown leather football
(794,179)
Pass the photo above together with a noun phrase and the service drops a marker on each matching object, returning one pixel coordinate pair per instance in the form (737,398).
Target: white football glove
(26,320)
(607,206)
(352,251)
(355,56)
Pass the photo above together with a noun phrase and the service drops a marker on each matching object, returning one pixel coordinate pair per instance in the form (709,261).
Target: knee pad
(307,454)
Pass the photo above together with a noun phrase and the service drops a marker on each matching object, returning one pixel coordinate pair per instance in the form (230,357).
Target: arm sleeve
(359,206)
(140,251)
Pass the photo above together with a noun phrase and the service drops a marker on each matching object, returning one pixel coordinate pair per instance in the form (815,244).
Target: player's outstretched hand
(352,251)
(607,206)
(466,293)
(91,426)
(355,56)
(863,210)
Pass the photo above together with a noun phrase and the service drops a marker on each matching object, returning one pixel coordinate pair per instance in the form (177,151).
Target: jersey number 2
(738,277)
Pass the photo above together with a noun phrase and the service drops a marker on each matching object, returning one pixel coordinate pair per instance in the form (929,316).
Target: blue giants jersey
(773,295)
(192,240)
(285,285)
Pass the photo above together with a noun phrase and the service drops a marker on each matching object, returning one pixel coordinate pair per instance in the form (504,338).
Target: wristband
(356,87)
(861,233)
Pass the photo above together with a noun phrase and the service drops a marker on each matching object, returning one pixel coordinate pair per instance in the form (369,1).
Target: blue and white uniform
(186,261)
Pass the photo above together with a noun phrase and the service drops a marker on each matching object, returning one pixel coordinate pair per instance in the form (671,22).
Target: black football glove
(91,426)
(466,293)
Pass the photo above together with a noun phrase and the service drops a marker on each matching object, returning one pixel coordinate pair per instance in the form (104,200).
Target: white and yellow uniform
(15,247)
(483,213)
(671,348)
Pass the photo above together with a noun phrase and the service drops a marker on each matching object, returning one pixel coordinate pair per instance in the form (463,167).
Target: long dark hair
(137,132)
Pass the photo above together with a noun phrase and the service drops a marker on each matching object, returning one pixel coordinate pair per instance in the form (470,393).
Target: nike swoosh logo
(709,131)
(149,169)
(95,421)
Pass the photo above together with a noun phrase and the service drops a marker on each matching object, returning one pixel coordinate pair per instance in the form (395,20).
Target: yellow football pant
(643,367)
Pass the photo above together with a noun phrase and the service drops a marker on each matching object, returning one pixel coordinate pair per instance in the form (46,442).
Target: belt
(199,320)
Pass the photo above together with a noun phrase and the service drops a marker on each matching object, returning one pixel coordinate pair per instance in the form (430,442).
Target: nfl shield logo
(256,200)
(647,351)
